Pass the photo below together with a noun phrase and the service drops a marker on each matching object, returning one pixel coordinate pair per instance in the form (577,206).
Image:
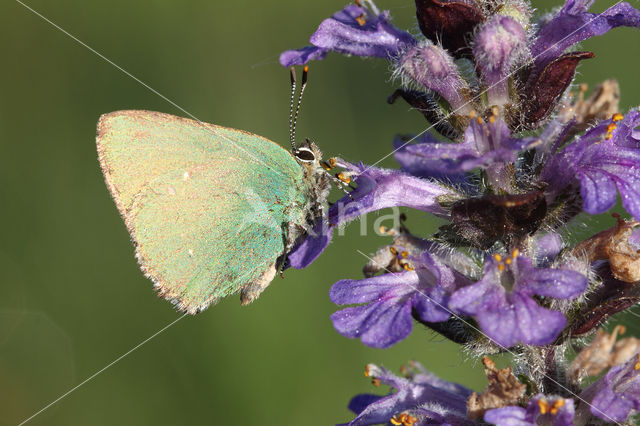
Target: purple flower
(486,145)
(388,301)
(302,55)
(553,70)
(503,303)
(377,189)
(606,157)
(356,31)
(617,395)
(572,24)
(423,396)
(541,410)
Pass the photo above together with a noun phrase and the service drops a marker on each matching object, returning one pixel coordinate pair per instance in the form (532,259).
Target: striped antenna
(293,115)
(292,138)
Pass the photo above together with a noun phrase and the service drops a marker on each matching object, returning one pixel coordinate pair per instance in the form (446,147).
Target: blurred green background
(72,298)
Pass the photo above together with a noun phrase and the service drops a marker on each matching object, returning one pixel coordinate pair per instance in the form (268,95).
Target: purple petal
(424,164)
(519,318)
(359,402)
(549,282)
(605,157)
(430,306)
(346,292)
(562,414)
(484,144)
(634,239)
(426,377)
(378,324)
(630,193)
(382,188)
(301,56)
(507,416)
(547,247)
(572,24)
(354,31)
(597,190)
(609,406)
(559,411)
(377,37)
(379,412)
(470,300)
(417,395)
(616,395)
(308,250)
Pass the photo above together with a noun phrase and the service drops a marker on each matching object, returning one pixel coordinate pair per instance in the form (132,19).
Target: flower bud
(499,45)
(433,67)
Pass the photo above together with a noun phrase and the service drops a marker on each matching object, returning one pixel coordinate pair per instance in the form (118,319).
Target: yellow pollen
(332,162)
(361,21)
(488,363)
(508,261)
(393,250)
(383,229)
(617,117)
(395,421)
(326,166)
(409,421)
(480,120)
(543,405)
(608,136)
(375,382)
(558,404)
(404,254)
(515,253)
(637,366)
(611,127)
(622,329)
(343,177)
(472,114)
(306,68)
(497,257)
(492,119)
(403,419)
(366,371)
(408,267)
(501,267)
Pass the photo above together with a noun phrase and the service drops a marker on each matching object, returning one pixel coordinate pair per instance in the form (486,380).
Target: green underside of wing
(205,205)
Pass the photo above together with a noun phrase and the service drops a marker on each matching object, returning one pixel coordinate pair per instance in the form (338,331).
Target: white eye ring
(305,155)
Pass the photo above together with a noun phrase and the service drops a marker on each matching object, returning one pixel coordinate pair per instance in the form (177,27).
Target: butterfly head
(307,153)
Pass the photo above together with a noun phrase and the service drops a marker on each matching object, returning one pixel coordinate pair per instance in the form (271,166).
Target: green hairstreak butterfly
(212,211)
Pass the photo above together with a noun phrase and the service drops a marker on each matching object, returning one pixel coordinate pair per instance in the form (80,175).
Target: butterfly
(212,211)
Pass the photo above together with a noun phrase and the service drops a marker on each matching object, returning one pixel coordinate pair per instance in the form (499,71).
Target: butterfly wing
(206,206)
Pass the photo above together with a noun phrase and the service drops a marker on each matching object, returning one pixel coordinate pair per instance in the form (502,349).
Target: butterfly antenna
(292,137)
(303,85)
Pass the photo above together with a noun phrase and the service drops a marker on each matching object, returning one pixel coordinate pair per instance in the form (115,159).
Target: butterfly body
(212,211)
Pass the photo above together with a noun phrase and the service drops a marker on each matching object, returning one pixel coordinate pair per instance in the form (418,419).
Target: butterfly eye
(305,155)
